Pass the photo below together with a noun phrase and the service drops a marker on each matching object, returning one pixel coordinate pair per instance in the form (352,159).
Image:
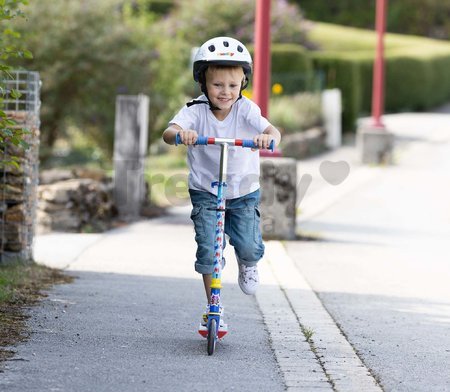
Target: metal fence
(29,86)
(18,185)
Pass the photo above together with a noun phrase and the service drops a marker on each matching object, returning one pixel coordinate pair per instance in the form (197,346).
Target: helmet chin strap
(208,102)
(205,91)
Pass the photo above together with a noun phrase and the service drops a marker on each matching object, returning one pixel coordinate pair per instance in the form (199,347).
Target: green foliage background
(10,48)
(85,55)
(197,21)
(417,69)
(88,52)
(430,18)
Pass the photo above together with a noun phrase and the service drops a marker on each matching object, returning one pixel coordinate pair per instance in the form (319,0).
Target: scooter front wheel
(212,336)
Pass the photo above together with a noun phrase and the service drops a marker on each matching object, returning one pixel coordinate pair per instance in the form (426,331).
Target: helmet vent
(211,48)
(226,44)
(240,49)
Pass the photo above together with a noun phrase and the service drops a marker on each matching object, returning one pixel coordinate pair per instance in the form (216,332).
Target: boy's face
(224,85)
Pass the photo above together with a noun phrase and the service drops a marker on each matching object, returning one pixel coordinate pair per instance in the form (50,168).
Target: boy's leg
(242,224)
(204,216)
(207,283)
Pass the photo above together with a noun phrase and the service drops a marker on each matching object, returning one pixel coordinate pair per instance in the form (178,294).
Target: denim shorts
(242,225)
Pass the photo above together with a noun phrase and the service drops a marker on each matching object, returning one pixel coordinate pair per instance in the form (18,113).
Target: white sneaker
(248,279)
(203,330)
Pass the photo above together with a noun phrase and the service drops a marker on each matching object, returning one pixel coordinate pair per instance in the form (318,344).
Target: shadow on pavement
(116,332)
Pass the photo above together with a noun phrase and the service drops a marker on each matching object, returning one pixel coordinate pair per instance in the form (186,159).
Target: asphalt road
(381,266)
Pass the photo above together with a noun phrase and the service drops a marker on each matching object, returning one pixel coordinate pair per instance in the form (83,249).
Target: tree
(86,54)
(9,48)
(198,21)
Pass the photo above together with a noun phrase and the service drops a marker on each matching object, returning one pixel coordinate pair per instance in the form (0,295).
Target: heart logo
(334,172)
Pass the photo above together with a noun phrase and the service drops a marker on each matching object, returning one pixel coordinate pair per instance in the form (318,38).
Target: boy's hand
(262,141)
(188,136)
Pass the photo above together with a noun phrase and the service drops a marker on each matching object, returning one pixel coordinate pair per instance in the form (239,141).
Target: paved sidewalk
(129,321)
(114,329)
(326,317)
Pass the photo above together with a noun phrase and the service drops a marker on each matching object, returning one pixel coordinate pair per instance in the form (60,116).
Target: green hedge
(344,74)
(419,17)
(413,81)
(291,67)
(290,58)
(417,69)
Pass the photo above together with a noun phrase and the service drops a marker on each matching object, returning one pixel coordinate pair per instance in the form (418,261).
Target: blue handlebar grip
(251,144)
(248,143)
(202,140)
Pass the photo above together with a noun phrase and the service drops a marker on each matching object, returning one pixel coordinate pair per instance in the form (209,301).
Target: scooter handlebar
(205,140)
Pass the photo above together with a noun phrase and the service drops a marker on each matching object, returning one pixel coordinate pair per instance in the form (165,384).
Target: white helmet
(222,51)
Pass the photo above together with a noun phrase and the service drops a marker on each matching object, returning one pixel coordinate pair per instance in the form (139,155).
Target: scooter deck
(203,330)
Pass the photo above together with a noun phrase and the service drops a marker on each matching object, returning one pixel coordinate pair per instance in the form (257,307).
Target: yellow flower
(277,89)
(247,93)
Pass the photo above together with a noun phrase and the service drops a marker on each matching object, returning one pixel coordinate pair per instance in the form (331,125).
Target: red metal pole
(378,67)
(261,79)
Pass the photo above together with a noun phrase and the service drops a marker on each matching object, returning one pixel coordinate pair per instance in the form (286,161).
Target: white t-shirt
(243,122)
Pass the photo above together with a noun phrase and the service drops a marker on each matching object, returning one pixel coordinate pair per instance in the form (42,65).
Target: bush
(342,73)
(85,54)
(11,47)
(296,113)
(418,17)
(197,21)
(417,76)
(291,67)
(173,84)
(407,83)
(89,53)
(413,81)
(290,58)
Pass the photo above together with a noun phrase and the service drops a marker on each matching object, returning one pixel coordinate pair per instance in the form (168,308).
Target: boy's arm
(264,139)
(170,134)
(188,136)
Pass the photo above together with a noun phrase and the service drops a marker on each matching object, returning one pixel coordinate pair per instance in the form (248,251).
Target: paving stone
(298,363)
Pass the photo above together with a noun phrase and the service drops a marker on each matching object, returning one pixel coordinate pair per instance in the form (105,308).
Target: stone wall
(305,144)
(18,192)
(278,198)
(75,201)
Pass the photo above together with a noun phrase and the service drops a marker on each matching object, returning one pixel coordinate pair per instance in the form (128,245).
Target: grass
(336,38)
(76,148)
(21,285)
(308,332)
(294,113)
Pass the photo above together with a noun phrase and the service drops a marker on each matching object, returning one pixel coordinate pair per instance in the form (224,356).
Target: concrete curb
(290,309)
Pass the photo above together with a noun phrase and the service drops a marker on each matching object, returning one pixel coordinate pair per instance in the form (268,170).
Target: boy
(223,66)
